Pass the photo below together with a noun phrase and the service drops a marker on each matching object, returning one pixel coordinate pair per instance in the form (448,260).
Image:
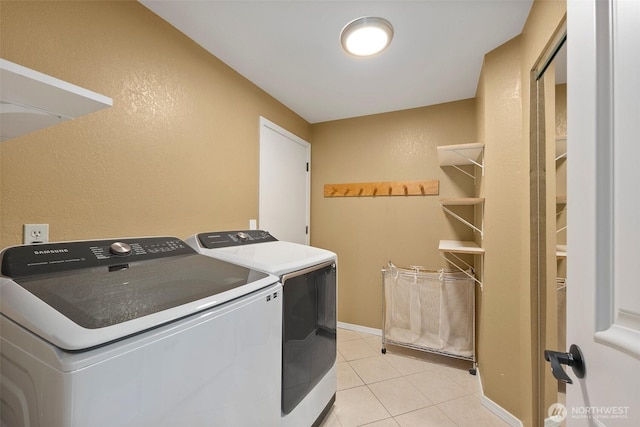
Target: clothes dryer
(309,278)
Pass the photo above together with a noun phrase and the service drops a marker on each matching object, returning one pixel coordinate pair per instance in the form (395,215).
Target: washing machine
(309,280)
(136,332)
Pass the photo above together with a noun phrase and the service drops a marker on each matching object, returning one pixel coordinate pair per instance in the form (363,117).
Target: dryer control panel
(223,239)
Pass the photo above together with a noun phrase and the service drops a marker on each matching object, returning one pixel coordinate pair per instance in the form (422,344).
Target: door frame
(538,217)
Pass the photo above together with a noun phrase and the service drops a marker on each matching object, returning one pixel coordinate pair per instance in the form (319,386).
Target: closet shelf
(461,201)
(561,251)
(460,247)
(462,154)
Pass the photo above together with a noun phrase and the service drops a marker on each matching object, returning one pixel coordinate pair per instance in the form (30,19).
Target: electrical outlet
(35,233)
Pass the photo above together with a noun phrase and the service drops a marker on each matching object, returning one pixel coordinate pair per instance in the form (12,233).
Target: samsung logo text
(51,251)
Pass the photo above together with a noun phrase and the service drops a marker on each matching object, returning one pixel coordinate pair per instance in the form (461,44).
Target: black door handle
(574,359)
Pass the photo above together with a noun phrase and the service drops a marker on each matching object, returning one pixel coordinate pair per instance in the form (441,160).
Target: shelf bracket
(464,270)
(467,158)
(465,172)
(464,221)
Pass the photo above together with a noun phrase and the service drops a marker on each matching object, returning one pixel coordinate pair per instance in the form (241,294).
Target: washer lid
(271,256)
(77,295)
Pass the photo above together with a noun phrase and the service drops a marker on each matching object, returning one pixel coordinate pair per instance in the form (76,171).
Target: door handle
(574,359)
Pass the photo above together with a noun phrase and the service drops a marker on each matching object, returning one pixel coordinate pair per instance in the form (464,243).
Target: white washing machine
(309,280)
(136,332)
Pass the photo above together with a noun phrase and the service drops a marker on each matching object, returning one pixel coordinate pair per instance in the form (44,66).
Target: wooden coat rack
(378,189)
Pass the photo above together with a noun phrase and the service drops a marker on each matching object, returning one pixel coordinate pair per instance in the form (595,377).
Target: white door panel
(603,311)
(284,183)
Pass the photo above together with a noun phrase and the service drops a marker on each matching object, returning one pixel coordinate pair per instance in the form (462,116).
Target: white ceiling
(291,49)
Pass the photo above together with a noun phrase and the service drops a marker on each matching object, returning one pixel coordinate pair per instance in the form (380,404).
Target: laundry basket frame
(445,276)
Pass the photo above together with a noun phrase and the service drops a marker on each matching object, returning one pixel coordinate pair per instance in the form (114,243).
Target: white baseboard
(498,410)
(358,328)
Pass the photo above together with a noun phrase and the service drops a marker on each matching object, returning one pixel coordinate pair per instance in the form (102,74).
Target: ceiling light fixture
(366,36)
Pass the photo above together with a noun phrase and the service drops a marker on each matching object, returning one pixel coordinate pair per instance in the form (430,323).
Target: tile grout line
(447,371)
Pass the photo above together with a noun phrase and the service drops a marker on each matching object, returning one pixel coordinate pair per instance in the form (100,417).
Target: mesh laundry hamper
(429,310)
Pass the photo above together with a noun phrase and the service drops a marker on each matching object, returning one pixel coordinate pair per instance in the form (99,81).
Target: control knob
(120,249)
(242,236)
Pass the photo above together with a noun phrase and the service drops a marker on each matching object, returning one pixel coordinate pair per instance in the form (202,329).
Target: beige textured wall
(176,154)
(502,342)
(368,232)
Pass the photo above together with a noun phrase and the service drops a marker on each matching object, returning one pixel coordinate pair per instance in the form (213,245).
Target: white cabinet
(30,100)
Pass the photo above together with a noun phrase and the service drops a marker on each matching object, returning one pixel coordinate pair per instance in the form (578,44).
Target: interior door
(603,311)
(285,193)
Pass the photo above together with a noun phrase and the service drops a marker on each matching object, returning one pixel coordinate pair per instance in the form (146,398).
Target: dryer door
(309,324)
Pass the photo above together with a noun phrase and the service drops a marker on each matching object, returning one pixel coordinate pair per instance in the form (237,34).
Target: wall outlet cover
(35,233)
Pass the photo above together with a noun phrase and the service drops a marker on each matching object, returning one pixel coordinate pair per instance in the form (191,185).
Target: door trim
(538,217)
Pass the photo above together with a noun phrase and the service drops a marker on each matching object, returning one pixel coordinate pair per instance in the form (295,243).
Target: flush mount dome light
(366,36)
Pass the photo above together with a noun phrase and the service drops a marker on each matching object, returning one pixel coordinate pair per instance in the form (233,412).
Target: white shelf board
(561,251)
(460,154)
(31,100)
(461,201)
(460,247)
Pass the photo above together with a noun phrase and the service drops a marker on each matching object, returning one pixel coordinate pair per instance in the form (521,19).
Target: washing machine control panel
(223,239)
(47,258)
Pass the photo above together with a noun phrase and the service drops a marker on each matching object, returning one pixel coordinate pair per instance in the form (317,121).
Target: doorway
(549,201)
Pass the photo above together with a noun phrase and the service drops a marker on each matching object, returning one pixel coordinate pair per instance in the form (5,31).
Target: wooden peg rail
(377,189)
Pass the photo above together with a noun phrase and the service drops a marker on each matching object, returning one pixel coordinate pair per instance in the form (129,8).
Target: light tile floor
(403,388)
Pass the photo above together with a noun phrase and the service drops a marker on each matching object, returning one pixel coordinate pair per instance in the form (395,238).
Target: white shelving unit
(561,200)
(561,225)
(457,252)
(30,100)
(457,156)
(461,155)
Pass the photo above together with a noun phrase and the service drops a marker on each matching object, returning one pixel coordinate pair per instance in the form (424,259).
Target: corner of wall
(500,317)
